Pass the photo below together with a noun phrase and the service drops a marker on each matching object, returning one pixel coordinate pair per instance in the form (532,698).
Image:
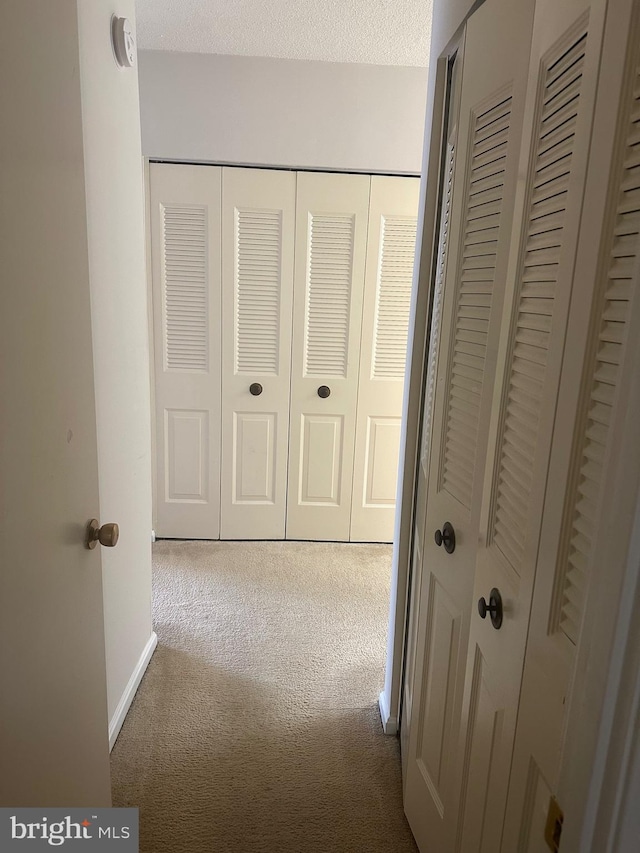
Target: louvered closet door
(560,96)
(258,221)
(393,218)
(452,73)
(488,141)
(331,235)
(585,451)
(185,248)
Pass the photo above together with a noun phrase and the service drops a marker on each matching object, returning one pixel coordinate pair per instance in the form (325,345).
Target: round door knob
(493,608)
(324,391)
(446,537)
(255,388)
(106,535)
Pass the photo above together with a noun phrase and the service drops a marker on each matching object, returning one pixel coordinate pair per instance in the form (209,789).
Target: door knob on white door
(106,535)
(446,537)
(493,608)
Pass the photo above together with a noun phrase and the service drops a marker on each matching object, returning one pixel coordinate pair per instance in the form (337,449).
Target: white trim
(389,723)
(130,690)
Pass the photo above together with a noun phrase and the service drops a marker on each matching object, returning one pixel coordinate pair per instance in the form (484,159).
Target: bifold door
(565,57)
(391,246)
(258,210)
(586,456)
(331,244)
(278,382)
(481,173)
(185,247)
(515,468)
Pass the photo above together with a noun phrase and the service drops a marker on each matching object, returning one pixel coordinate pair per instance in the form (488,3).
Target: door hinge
(553,827)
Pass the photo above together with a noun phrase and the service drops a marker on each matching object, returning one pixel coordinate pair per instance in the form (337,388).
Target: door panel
(380,476)
(417,628)
(391,244)
(487,714)
(185,240)
(55,743)
(254,452)
(187,455)
(322,450)
(456,435)
(589,407)
(331,234)
(444,622)
(258,220)
(561,88)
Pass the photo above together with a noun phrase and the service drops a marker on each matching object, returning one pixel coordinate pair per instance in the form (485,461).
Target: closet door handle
(494,608)
(446,537)
(255,389)
(324,391)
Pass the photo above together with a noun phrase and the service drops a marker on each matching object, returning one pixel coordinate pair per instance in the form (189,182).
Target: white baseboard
(130,690)
(389,723)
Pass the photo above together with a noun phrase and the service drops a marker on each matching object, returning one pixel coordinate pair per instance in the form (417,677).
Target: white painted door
(258,225)
(563,70)
(479,228)
(451,102)
(585,448)
(185,248)
(52,659)
(331,236)
(393,218)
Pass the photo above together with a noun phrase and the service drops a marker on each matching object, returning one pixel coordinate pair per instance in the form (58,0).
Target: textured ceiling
(381,32)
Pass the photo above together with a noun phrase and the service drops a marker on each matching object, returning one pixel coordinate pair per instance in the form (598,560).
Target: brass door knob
(106,535)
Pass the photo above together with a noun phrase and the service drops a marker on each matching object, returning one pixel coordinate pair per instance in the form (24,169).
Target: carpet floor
(256,727)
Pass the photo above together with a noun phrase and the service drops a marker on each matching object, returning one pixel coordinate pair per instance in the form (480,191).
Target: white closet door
(393,219)
(479,230)
(563,70)
(258,221)
(185,248)
(331,236)
(451,102)
(584,450)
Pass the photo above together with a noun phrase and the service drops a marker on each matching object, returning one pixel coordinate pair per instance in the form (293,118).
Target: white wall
(280,112)
(115,213)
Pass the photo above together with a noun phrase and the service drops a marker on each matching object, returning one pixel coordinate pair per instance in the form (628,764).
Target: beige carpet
(256,727)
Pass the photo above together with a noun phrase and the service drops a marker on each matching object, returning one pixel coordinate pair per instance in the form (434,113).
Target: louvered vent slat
(258,252)
(613,307)
(184,234)
(436,314)
(474,288)
(537,282)
(393,298)
(328,294)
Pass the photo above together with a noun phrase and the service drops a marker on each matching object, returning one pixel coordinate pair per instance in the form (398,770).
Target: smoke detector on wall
(123,42)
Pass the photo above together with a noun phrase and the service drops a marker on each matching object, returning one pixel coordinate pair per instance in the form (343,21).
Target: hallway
(256,727)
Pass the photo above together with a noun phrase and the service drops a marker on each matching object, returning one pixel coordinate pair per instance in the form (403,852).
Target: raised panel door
(331,235)
(469,299)
(393,216)
(563,71)
(258,218)
(185,253)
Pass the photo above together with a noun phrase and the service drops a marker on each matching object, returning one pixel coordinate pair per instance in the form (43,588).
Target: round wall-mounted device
(124,44)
